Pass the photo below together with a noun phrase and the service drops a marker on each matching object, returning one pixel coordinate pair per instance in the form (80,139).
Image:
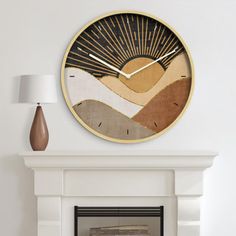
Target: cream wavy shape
(84,86)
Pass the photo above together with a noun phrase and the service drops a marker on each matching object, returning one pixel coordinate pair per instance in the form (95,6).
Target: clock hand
(105,63)
(158,59)
(110,66)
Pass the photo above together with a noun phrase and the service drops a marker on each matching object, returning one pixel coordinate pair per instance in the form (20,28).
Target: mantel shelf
(120,159)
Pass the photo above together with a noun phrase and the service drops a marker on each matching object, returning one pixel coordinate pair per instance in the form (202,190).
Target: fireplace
(123,221)
(118,180)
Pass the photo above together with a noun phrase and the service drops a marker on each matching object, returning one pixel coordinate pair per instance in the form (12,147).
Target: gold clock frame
(63,87)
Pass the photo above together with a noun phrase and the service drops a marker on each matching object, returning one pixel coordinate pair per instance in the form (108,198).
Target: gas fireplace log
(134,230)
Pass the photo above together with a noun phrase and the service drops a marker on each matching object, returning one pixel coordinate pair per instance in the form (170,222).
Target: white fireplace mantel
(119,178)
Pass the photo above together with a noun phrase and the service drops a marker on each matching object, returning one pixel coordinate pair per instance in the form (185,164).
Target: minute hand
(158,59)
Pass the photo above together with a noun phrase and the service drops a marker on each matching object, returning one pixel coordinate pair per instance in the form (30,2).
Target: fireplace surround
(172,179)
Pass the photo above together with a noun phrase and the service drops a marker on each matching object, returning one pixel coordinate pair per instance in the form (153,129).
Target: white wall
(34,36)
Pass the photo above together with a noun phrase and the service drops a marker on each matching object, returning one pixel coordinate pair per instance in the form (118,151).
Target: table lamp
(38,89)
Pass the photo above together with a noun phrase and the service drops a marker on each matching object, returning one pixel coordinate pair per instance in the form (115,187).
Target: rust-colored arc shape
(165,107)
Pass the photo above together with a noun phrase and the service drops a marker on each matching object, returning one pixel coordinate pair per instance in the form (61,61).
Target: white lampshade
(38,89)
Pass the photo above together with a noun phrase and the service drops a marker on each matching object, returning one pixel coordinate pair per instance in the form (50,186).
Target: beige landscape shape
(178,69)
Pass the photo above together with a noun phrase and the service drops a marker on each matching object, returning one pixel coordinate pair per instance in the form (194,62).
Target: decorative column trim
(49,216)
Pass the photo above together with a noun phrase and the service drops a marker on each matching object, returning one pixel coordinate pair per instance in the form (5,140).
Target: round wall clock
(127,77)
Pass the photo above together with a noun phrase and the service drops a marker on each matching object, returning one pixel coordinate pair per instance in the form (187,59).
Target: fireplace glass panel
(119,221)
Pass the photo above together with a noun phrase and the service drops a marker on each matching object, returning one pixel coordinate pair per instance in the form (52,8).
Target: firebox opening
(118,221)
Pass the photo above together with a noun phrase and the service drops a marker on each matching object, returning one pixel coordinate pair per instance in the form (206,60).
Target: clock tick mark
(127,131)
(176,48)
(72,76)
(121,40)
(109,48)
(163,40)
(80,49)
(99,124)
(155,123)
(176,104)
(113,24)
(95,34)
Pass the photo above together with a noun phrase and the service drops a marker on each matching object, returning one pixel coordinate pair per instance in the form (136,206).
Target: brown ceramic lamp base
(39,131)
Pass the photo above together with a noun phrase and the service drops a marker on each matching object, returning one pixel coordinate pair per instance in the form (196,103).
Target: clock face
(127,77)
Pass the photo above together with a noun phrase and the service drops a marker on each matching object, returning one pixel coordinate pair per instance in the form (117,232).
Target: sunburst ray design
(119,38)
